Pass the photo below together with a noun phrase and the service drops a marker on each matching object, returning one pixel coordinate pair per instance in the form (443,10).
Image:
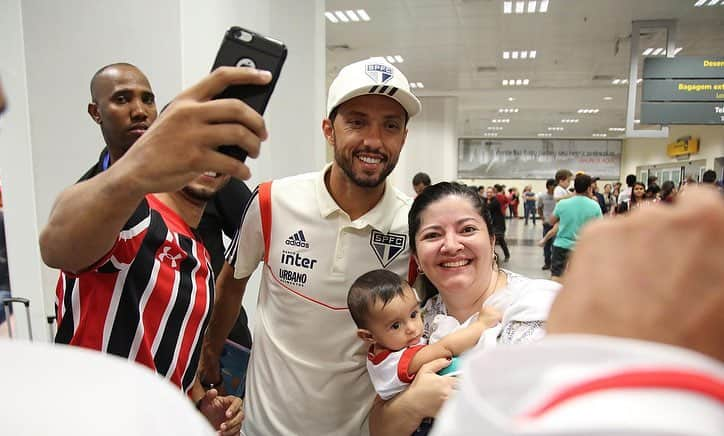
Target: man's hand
(181,144)
(224,413)
(655,274)
(431,390)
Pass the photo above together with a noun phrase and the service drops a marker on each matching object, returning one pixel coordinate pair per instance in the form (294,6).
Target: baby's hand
(489,316)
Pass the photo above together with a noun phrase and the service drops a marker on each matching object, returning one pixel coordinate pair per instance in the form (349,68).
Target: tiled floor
(526,257)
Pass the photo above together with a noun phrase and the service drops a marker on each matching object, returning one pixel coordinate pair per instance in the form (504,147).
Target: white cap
(372,76)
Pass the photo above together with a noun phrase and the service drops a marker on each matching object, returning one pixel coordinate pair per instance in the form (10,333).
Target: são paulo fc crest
(380,73)
(387,246)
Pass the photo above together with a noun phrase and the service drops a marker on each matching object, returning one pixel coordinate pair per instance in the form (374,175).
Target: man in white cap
(316,233)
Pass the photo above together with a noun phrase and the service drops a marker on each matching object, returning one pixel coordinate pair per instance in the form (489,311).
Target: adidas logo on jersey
(297,240)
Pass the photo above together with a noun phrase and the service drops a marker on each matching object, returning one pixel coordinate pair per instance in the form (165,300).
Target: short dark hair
(377,285)
(421,178)
(550,182)
(581,183)
(709,176)
(563,175)
(630,180)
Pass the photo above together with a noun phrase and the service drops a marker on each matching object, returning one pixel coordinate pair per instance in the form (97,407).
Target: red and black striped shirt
(149,299)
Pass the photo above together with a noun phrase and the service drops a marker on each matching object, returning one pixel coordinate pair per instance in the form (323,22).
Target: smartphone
(244,48)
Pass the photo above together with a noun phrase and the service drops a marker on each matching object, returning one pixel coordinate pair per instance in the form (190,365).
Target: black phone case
(241,47)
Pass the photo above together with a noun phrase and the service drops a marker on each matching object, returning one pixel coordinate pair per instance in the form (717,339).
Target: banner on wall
(483,158)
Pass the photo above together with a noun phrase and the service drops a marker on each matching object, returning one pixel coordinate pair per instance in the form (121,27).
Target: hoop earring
(420,271)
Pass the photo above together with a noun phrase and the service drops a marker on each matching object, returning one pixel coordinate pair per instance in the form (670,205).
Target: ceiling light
(713,2)
(508,7)
(616,81)
(399,59)
(700,3)
(420,85)
(658,51)
(531,7)
(637,121)
(505,82)
(533,53)
(413,85)
(390,59)
(569,120)
(519,7)
(587,111)
(526,82)
(520,54)
(616,129)
(515,55)
(342,17)
(495,128)
(363,14)
(648,51)
(511,98)
(508,110)
(352,16)
(543,6)
(624,81)
(545,134)
(599,135)
(330,16)
(524,54)
(506,55)
(678,49)
(518,82)
(502,120)
(608,98)
(639,80)
(490,134)
(557,129)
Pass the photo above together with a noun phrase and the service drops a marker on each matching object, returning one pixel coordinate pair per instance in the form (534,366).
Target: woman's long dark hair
(433,194)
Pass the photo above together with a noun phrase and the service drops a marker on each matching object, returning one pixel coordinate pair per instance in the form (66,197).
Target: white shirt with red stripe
(587,385)
(307,371)
(389,370)
(147,300)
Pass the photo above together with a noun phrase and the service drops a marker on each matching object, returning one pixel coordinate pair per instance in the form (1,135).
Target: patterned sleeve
(522,332)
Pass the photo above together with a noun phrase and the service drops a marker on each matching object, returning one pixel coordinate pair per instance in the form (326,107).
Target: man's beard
(198,195)
(346,166)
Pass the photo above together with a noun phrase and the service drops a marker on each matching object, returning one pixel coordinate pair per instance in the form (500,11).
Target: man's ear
(366,336)
(328,131)
(94,113)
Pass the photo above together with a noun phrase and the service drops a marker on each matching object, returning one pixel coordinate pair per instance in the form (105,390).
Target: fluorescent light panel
(616,129)
(522,7)
(545,134)
(700,3)
(396,59)
(516,82)
(348,16)
(508,110)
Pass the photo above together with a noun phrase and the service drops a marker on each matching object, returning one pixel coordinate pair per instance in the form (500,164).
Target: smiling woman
(452,241)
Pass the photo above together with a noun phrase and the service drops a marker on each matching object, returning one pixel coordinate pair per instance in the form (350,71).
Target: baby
(387,313)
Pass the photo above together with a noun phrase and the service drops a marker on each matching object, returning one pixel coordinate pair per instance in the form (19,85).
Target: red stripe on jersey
(192,334)
(95,298)
(691,381)
(153,311)
(266,216)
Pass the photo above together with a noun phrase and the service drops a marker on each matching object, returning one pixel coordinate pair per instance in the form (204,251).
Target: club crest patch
(387,246)
(380,73)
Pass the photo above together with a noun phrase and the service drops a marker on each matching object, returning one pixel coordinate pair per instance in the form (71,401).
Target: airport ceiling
(456,47)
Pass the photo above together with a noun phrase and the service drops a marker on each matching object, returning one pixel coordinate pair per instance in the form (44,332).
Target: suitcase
(7,303)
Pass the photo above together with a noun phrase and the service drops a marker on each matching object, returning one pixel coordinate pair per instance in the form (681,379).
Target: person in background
(529,203)
(709,177)
(420,181)
(615,344)
(597,196)
(563,181)
(497,221)
(609,197)
(668,192)
(625,195)
(502,198)
(546,205)
(571,214)
(513,202)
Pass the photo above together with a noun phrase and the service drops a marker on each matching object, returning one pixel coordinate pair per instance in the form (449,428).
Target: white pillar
(431,145)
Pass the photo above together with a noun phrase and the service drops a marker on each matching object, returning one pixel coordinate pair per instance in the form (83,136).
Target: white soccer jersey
(586,385)
(307,371)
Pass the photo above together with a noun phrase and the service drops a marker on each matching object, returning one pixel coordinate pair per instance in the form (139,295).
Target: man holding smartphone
(140,242)
(316,233)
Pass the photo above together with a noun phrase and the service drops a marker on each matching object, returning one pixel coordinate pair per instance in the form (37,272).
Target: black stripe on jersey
(188,376)
(139,215)
(127,316)
(108,268)
(230,254)
(172,332)
(65,330)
